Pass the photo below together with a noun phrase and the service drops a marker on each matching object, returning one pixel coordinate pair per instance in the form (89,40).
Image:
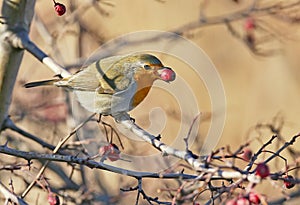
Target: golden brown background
(257,88)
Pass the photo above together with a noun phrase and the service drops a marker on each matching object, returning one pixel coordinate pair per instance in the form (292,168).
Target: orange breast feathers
(144,80)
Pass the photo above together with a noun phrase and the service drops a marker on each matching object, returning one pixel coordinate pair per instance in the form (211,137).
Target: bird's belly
(106,104)
(94,102)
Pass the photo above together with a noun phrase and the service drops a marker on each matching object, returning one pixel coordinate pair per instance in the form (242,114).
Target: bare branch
(17,15)
(11,125)
(91,164)
(59,145)
(10,196)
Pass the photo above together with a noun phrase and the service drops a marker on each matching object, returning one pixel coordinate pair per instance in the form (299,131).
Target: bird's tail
(40,83)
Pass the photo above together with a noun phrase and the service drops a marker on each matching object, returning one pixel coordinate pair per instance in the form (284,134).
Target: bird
(114,85)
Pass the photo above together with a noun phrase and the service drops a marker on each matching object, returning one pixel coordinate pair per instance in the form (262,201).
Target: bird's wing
(105,63)
(117,76)
(85,79)
(92,78)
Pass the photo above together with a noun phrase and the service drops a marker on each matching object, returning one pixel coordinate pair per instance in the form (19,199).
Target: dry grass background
(257,88)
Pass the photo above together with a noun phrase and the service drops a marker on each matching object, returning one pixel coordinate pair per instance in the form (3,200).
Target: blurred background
(256,56)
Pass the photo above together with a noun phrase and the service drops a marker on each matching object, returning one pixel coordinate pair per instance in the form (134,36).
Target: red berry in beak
(60,9)
(167,74)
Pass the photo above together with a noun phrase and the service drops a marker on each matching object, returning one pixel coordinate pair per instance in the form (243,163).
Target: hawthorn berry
(249,24)
(289,184)
(262,170)
(243,201)
(231,202)
(254,198)
(110,151)
(247,154)
(53,199)
(167,75)
(59,8)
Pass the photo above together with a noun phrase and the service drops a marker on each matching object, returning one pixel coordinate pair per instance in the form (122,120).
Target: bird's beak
(166,74)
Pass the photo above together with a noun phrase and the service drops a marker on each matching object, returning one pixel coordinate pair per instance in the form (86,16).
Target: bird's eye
(147,67)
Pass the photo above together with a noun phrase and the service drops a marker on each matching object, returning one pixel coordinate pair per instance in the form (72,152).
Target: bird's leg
(112,132)
(104,126)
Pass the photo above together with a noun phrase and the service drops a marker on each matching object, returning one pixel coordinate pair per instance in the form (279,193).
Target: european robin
(114,85)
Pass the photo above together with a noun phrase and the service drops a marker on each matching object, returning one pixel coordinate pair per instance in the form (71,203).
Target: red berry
(262,170)
(110,151)
(60,9)
(167,75)
(243,201)
(231,202)
(247,154)
(289,184)
(249,24)
(254,198)
(53,199)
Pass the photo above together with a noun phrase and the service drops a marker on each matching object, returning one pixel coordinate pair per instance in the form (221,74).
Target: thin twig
(292,141)
(59,145)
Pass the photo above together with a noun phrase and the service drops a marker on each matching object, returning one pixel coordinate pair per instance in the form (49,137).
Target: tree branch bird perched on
(114,85)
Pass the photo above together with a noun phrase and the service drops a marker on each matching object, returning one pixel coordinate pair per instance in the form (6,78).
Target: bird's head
(150,68)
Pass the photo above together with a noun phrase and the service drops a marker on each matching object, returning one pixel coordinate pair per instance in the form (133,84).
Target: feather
(40,83)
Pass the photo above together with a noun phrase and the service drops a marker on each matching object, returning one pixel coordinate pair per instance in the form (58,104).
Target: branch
(140,191)
(92,164)
(27,44)
(8,123)
(286,144)
(56,150)
(17,15)
(10,196)
(199,164)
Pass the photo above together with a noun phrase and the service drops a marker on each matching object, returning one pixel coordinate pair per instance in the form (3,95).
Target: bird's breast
(144,83)
(140,95)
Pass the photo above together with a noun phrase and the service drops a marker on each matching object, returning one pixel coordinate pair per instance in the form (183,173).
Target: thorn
(164,154)
(76,155)
(158,137)
(132,119)
(29,163)
(5,144)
